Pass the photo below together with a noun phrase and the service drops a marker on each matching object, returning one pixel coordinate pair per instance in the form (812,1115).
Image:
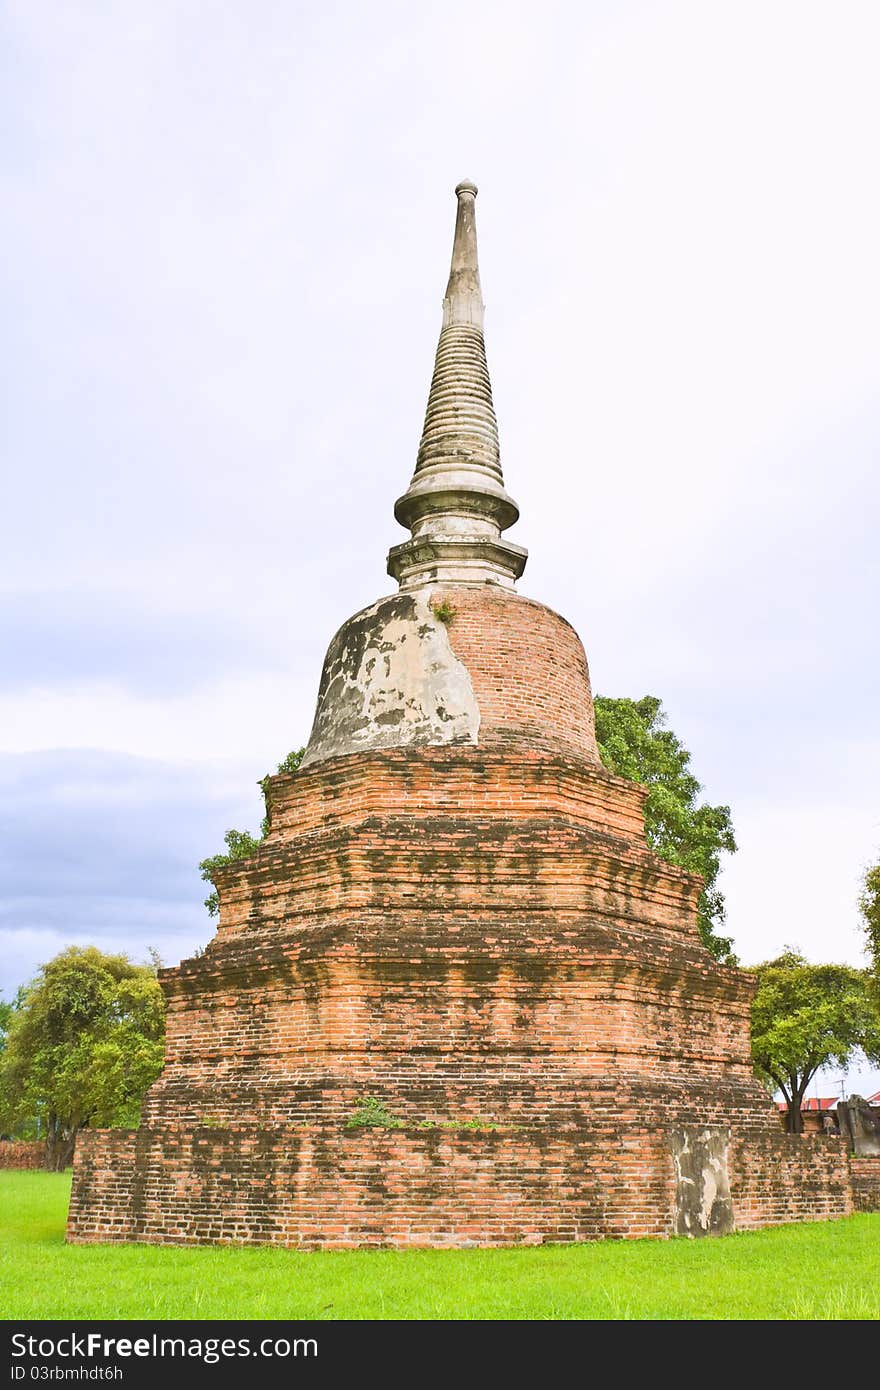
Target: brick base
(865,1183)
(475,937)
(310,1186)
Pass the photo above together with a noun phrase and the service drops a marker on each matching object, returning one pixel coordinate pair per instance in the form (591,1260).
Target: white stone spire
(456,506)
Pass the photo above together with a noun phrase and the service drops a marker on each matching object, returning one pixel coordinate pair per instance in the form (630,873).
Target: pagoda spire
(456,506)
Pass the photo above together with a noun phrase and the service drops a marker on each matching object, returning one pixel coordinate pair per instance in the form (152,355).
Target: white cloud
(255,719)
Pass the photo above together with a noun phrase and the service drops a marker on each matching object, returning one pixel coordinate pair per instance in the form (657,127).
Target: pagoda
(454,999)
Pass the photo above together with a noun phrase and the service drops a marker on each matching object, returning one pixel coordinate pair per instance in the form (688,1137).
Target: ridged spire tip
(463,302)
(456,505)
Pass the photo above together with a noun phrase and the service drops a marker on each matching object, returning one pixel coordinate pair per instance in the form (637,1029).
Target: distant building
(818,1114)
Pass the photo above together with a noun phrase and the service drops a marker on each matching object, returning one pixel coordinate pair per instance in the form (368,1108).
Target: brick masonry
(19,1154)
(478,936)
(319,1186)
(865,1174)
(528,669)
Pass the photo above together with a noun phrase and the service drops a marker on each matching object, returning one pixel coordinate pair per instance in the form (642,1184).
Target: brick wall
(519,783)
(789,1177)
(104,1171)
(314,1186)
(310,1186)
(865,1173)
(456,829)
(14,1154)
(478,1027)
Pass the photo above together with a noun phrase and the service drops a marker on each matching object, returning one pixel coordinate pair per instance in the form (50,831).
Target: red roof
(825,1102)
(813,1103)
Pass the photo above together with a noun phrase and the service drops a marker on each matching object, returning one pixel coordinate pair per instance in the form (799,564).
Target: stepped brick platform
(509,955)
(454,926)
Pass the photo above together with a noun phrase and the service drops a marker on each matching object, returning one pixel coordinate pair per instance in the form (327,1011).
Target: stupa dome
(454,664)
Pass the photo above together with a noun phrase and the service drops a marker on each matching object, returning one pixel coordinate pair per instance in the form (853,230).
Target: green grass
(818,1270)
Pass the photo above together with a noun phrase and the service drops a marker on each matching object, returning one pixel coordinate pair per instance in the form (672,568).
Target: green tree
(7,1010)
(241,844)
(83,1046)
(635,743)
(808,1016)
(869,906)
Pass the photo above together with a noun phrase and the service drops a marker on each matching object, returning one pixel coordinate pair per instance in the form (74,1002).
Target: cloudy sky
(227,231)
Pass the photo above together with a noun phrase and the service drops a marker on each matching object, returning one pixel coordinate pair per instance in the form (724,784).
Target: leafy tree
(805,1017)
(7,1010)
(241,844)
(289,764)
(634,743)
(83,1046)
(869,906)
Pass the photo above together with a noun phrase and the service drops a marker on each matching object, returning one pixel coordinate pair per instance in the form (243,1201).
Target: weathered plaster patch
(702,1186)
(391,680)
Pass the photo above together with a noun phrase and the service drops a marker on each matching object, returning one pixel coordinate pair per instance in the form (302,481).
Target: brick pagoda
(454,927)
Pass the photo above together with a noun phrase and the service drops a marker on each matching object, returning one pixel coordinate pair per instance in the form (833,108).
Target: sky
(226,237)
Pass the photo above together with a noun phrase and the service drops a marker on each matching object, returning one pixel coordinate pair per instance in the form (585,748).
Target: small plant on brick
(241,844)
(371,1113)
(443,612)
(454,1125)
(470,1124)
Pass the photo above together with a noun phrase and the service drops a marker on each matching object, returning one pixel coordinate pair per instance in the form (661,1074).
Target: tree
(83,1046)
(634,743)
(805,1017)
(7,1010)
(241,844)
(869,907)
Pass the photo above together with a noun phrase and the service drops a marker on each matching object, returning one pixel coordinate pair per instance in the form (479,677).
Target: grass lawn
(817,1270)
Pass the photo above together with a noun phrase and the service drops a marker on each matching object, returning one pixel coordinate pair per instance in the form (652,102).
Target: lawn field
(819,1270)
